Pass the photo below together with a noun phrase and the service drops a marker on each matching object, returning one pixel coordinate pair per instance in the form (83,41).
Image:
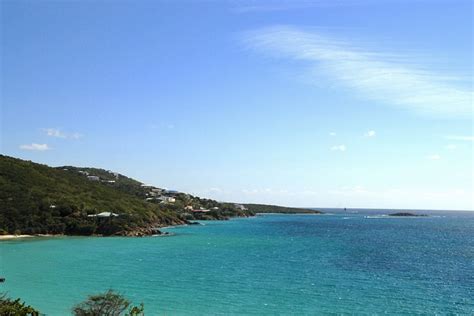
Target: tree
(107,304)
(9,307)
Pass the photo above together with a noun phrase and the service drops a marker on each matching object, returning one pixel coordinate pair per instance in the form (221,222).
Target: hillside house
(167,199)
(240,207)
(104,214)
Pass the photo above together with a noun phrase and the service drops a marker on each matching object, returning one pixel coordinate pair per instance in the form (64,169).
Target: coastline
(13,237)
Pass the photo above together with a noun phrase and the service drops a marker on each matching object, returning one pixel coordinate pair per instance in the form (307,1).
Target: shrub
(9,307)
(107,304)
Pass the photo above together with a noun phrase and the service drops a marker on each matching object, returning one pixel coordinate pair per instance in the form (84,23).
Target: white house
(93,178)
(240,207)
(167,199)
(104,214)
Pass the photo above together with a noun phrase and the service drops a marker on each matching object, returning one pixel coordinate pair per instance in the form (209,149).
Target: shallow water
(273,264)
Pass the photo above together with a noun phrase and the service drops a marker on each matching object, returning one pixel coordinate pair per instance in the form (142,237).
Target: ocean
(353,262)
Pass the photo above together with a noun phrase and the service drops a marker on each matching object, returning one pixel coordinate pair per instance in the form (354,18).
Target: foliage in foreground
(107,304)
(10,307)
(104,304)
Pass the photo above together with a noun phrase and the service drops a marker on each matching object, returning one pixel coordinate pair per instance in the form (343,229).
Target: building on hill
(166,199)
(240,207)
(93,178)
(104,214)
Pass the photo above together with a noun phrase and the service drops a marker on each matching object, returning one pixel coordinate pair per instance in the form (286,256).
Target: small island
(407,214)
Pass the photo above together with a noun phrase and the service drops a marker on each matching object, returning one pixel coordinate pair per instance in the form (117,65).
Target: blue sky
(356,103)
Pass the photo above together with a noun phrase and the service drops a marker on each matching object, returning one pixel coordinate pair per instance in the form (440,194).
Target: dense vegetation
(262,208)
(402,214)
(109,303)
(37,199)
(10,307)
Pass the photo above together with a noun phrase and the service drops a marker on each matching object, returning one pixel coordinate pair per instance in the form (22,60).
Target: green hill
(37,199)
(263,208)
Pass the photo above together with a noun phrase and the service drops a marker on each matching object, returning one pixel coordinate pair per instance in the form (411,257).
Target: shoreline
(14,237)
(136,233)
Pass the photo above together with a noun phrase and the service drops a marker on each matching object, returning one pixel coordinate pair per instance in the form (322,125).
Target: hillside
(37,199)
(263,208)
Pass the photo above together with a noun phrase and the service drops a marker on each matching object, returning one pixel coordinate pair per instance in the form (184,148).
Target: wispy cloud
(369,134)
(338,148)
(34,146)
(381,77)
(332,134)
(58,133)
(464,138)
(434,157)
(54,132)
(451,147)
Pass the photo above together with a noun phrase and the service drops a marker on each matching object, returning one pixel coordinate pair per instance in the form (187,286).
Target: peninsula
(36,199)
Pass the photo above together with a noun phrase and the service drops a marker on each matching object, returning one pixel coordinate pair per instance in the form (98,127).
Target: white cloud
(338,148)
(451,146)
(54,132)
(434,157)
(369,134)
(332,134)
(34,146)
(465,138)
(383,78)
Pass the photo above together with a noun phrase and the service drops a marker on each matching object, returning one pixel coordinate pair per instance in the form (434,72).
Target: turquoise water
(266,265)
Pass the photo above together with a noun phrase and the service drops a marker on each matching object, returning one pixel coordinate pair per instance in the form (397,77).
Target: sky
(324,103)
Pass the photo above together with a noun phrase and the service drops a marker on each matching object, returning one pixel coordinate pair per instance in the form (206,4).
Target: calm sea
(352,262)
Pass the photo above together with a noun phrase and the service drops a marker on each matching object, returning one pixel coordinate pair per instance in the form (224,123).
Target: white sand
(6,237)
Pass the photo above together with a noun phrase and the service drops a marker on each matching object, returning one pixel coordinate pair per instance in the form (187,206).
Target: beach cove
(272,264)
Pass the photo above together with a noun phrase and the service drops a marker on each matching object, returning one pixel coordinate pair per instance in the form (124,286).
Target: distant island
(401,214)
(36,199)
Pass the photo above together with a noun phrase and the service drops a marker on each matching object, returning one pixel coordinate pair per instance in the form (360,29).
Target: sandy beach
(7,237)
